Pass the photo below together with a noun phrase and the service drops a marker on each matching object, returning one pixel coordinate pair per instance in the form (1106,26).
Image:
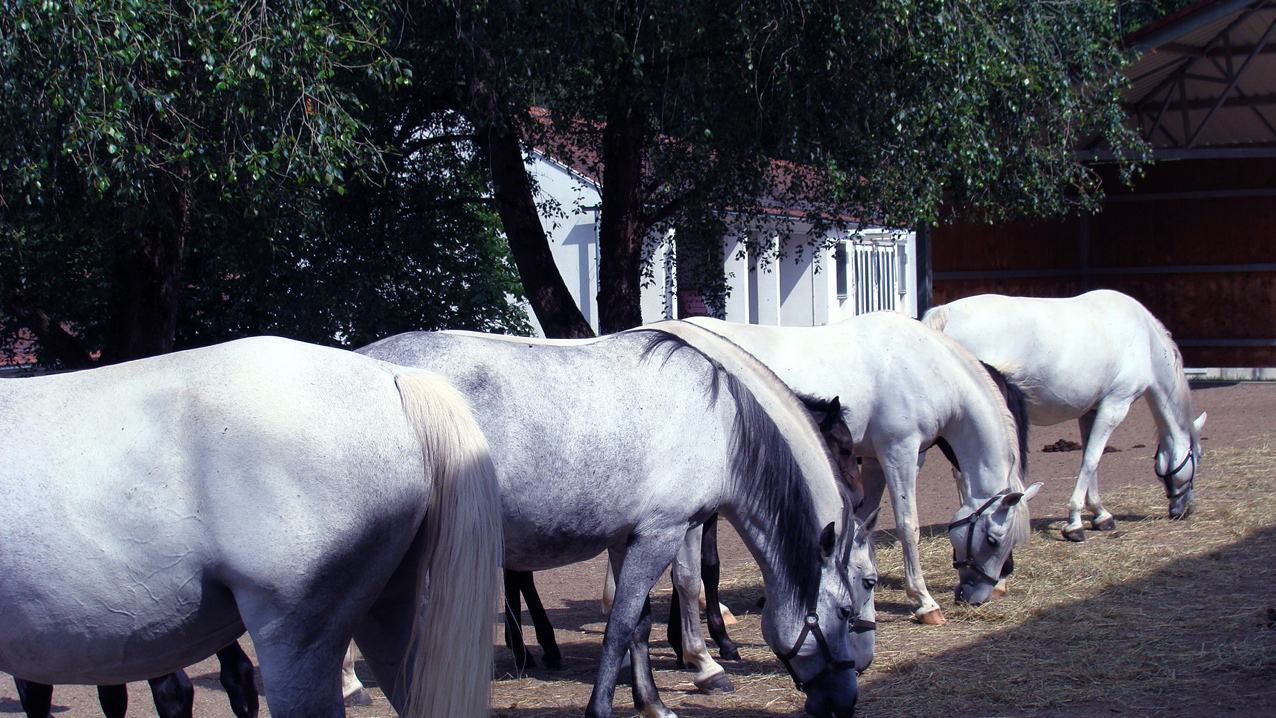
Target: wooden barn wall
(1194,240)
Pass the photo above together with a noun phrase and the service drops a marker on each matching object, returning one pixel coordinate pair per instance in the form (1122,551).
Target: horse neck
(1168,393)
(1172,412)
(983,437)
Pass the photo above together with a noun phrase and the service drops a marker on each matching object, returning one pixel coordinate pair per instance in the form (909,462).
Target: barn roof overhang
(1204,83)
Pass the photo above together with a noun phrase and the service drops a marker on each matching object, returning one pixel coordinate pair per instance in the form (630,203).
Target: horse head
(827,416)
(983,536)
(862,569)
(816,647)
(1179,474)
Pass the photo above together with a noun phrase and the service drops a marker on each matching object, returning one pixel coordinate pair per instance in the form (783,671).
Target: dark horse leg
(513,618)
(114,700)
(710,572)
(520,583)
(540,620)
(238,679)
(174,695)
(36,698)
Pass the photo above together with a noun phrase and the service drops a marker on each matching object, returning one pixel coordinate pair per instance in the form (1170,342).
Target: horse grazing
(1087,358)
(174,694)
(626,442)
(902,388)
(301,493)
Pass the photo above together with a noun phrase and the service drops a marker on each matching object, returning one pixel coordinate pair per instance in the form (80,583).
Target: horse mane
(771,479)
(1017,403)
(1180,390)
(1013,412)
(936,318)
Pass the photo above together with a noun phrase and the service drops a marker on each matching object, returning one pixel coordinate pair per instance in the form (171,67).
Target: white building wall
(790,291)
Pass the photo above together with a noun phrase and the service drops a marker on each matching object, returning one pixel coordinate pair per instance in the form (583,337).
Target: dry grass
(1155,614)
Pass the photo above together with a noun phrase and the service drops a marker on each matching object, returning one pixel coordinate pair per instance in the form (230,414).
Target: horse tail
(936,317)
(1017,403)
(459,575)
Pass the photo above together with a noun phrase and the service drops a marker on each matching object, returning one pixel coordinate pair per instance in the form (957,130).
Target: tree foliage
(878,111)
(137,136)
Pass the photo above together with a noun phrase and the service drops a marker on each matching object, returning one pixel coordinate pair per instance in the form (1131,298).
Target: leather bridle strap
(970,537)
(1166,479)
(811,625)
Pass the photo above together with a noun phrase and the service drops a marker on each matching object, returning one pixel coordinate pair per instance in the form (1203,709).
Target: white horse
(903,387)
(1087,358)
(623,444)
(155,510)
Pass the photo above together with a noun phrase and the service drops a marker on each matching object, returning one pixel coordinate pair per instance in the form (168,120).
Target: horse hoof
(1077,534)
(359,698)
(729,654)
(717,683)
(1108,524)
(932,618)
(1000,591)
(553,664)
(1182,514)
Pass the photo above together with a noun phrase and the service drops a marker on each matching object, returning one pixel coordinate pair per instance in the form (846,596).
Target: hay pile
(1159,617)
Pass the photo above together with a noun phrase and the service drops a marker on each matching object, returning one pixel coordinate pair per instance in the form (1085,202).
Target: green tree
(178,174)
(885,111)
(117,116)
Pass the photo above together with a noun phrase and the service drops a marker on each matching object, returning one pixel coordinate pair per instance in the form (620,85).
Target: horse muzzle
(1181,506)
(833,695)
(973,592)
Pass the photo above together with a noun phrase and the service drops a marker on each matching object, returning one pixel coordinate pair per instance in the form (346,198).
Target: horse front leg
(174,695)
(637,568)
(238,679)
(710,676)
(901,480)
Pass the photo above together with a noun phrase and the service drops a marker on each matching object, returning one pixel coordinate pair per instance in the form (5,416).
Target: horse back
(141,496)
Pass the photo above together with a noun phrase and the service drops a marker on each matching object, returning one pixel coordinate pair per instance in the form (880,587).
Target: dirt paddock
(1157,618)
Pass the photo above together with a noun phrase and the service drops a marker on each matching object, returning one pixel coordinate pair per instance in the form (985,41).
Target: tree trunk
(621,230)
(555,309)
(146,289)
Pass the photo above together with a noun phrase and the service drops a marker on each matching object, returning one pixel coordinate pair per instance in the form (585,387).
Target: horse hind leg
(513,621)
(1096,428)
(540,621)
(710,677)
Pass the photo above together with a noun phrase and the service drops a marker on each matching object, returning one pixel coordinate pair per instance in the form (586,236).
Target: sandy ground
(1239,415)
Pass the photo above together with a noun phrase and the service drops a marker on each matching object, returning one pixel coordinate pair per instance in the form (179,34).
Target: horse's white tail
(936,317)
(460,566)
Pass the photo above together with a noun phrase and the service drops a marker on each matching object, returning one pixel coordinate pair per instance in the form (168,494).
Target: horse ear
(1016,497)
(870,523)
(1199,423)
(1031,491)
(835,407)
(828,540)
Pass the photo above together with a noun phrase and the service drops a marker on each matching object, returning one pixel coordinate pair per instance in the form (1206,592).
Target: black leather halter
(1168,480)
(970,520)
(811,625)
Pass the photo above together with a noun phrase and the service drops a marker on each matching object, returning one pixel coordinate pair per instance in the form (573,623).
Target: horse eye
(870,583)
(993,541)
